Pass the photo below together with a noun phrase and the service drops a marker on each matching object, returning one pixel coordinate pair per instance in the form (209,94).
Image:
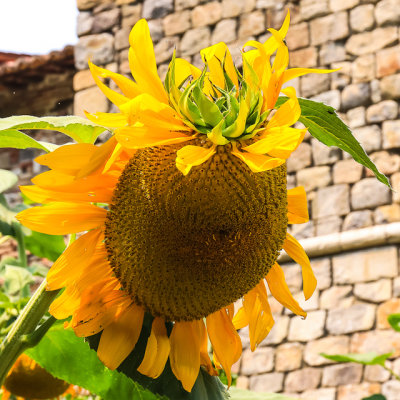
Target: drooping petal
(185,342)
(297,206)
(142,62)
(120,337)
(240,320)
(62,218)
(292,73)
(66,303)
(280,290)
(204,356)
(294,249)
(191,156)
(111,120)
(224,339)
(287,114)
(258,162)
(157,350)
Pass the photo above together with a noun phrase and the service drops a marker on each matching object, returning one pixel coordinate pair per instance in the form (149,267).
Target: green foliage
(43,245)
(79,129)
(68,357)
(7,180)
(323,123)
(240,394)
(371,358)
(375,397)
(394,321)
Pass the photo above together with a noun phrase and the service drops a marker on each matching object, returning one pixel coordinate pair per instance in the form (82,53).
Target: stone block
(305,58)
(354,95)
(311,304)
(370,42)
(195,40)
(357,220)
(375,373)
(131,14)
(322,270)
(382,111)
(370,137)
(330,28)
(319,394)
(313,8)
(395,181)
(298,36)
(361,265)
(257,362)
(122,38)
(157,9)
(375,292)
(156,30)
(88,4)
(362,18)
(288,357)
(358,317)
(369,193)
(306,378)
(182,4)
(342,374)
(300,158)
(340,79)
(106,20)
(387,12)
(390,87)
(347,171)
(178,22)
(224,31)
(332,52)
(303,330)
(361,391)
(272,382)
(332,200)
(328,225)
(293,276)
(381,341)
(206,14)
(278,332)
(98,48)
(330,345)
(314,177)
(387,214)
(252,24)
(242,382)
(313,84)
(376,95)
(396,287)
(391,134)
(323,154)
(364,68)
(391,306)
(385,162)
(232,8)
(388,61)
(339,5)
(330,98)
(336,297)
(91,100)
(164,49)
(84,23)
(82,80)
(391,390)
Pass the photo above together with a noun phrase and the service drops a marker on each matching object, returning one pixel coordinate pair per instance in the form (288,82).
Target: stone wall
(358,285)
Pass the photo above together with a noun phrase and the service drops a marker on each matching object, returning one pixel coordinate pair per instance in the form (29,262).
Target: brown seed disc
(185,246)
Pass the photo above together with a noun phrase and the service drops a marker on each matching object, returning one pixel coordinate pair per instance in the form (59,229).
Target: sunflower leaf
(394,321)
(375,397)
(68,357)
(79,129)
(371,358)
(241,394)
(43,245)
(323,123)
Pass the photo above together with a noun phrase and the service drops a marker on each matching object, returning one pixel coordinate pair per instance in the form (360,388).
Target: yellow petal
(62,218)
(65,304)
(294,249)
(225,340)
(66,268)
(296,72)
(258,162)
(191,156)
(204,356)
(280,290)
(120,337)
(157,350)
(111,120)
(240,320)
(297,206)
(183,69)
(185,342)
(142,62)
(113,96)
(287,114)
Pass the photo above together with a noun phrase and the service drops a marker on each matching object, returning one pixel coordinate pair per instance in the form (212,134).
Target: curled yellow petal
(258,162)
(191,156)
(297,205)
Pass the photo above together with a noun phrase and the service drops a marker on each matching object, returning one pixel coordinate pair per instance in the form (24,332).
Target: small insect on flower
(197,208)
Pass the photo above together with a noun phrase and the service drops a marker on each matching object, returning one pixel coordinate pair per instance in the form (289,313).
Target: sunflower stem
(21,245)
(23,333)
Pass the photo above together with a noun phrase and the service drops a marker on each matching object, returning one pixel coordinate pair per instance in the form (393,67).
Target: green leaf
(371,358)
(240,394)
(394,321)
(68,357)
(323,123)
(79,129)
(375,397)
(42,245)
(16,279)
(7,180)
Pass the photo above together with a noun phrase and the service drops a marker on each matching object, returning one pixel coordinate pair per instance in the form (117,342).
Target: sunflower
(27,379)
(184,210)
